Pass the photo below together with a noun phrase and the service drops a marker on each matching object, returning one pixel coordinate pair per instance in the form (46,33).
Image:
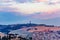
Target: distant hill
(7,28)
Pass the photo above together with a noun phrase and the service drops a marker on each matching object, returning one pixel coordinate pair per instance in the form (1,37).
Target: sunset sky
(22,11)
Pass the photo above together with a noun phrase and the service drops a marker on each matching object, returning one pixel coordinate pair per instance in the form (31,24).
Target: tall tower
(30,22)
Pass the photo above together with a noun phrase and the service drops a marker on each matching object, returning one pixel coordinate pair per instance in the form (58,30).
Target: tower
(30,22)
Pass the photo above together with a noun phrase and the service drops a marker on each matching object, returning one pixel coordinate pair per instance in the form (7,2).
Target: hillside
(39,32)
(7,28)
(36,31)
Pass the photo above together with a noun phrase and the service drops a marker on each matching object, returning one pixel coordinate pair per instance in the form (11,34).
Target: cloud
(46,16)
(29,8)
(38,11)
(45,9)
(32,8)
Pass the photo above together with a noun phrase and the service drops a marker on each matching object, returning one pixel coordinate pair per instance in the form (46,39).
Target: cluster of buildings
(36,35)
(13,37)
(32,32)
(50,35)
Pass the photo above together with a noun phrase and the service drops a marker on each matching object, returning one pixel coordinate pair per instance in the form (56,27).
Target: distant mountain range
(7,28)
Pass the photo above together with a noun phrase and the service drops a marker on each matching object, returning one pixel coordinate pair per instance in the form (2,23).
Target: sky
(36,11)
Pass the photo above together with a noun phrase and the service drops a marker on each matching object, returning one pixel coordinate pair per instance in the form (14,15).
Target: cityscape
(29,19)
(29,32)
